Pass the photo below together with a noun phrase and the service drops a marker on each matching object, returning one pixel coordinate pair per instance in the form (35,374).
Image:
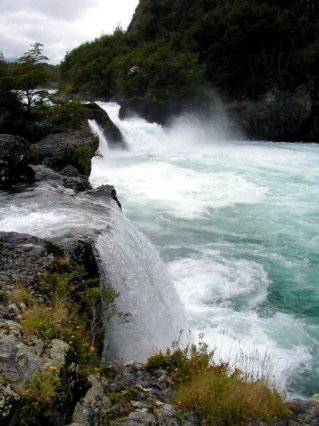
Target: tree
(29,72)
(34,55)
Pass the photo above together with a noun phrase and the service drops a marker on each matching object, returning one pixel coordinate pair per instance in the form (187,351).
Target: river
(236,223)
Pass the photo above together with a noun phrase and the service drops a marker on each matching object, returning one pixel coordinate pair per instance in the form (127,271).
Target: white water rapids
(237,225)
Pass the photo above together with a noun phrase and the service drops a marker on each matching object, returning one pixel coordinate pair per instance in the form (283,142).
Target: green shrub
(81,158)
(183,363)
(69,113)
(39,397)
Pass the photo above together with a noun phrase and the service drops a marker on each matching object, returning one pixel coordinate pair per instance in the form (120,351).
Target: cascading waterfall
(128,263)
(133,268)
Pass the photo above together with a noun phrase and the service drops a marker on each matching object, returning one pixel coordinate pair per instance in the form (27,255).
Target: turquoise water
(237,224)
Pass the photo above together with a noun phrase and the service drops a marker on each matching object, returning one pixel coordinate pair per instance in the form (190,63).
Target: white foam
(274,347)
(215,281)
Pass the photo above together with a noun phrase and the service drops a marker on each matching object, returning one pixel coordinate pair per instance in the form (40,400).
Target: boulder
(151,110)
(69,177)
(24,257)
(105,191)
(72,147)
(278,116)
(21,358)
(111,132)
(15,155)
(92,409)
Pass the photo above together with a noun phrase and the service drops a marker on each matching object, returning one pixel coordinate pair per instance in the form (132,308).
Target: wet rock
(92,410)
(278,116)
(72,147)
(15,155)
(75,181)
(105,191)
(111,132)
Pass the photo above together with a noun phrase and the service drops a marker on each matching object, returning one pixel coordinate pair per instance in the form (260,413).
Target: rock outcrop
(15,156)
(110,130)
(69,177)
(73,147)
(151,110)
(27,357)
(277,116)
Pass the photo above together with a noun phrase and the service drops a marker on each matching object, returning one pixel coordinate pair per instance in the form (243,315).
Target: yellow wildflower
(52,368)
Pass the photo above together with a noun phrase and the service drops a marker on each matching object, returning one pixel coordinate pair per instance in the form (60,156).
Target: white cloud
(58,24)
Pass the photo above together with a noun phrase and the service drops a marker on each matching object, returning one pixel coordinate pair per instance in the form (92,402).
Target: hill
(180,53)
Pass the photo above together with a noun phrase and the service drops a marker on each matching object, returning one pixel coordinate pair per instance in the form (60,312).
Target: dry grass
(225,398)
(46,321)
(21,294)
(221,394)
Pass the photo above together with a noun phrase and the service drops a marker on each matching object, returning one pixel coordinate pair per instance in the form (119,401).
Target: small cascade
(133,268)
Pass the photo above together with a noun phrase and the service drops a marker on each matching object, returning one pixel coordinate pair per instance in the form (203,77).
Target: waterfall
(131,266)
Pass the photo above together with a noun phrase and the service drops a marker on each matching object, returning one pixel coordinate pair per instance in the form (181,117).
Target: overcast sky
(58,24)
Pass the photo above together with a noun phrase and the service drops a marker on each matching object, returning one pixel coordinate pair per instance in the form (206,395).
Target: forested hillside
(175,48)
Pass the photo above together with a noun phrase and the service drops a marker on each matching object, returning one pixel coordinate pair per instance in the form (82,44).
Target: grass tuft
(225,398)
(220,394)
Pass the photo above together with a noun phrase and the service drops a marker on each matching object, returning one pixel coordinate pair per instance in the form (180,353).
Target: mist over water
(237,225)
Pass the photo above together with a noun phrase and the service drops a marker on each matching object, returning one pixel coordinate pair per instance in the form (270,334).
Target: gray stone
(92,410)
(15,154)
(76,182)
(8,400)
(60,150)
(20,360)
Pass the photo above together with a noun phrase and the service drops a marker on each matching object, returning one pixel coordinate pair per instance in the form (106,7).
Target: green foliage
(11,108)
(69,112)
(174,48)
(28,73)
(39,397)
(76,310)
(82,158)
(120,64)
(183,363)
(33,55)
(224,397)
(22,103)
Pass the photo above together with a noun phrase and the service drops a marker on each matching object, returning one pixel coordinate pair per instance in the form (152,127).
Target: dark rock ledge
(110,130)
(61,154)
